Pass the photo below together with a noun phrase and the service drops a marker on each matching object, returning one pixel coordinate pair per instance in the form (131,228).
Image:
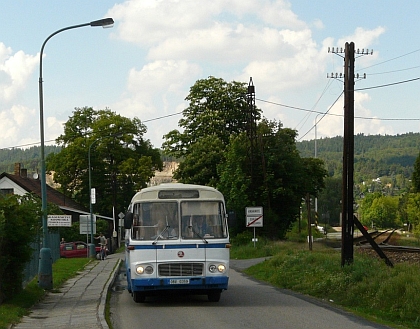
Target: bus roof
(151,193)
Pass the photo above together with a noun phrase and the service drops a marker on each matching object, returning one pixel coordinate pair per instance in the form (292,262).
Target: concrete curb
(104,295)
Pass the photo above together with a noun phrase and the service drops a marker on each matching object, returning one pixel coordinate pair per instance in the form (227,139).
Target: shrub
(19,224)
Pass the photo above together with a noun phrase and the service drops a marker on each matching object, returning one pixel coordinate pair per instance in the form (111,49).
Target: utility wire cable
(389,60)
(322,116)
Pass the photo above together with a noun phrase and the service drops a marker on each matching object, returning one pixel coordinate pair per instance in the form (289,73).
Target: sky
(146,63)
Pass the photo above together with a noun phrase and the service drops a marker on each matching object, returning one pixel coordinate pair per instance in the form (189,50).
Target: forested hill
(374,155)
(29,158)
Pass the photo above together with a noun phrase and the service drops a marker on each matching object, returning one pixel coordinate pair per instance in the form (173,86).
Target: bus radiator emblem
(180,254)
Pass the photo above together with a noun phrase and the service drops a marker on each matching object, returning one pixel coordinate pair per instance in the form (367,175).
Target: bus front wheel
(214,296)
(139,297)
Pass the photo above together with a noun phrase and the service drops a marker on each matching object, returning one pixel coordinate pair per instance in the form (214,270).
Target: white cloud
(150,22)
(157,89)
(15,71)
(363,38)
(333,124)
(233,39)
(16,120)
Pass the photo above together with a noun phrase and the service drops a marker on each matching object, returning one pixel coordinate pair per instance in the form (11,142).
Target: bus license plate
(179,281)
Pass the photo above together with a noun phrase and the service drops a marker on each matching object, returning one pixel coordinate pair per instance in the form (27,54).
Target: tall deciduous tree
(253,163)
(277,180)
(416,176)
(200,166)
(122,161)
(217,110)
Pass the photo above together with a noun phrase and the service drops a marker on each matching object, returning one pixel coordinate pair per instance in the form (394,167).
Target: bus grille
(181,269)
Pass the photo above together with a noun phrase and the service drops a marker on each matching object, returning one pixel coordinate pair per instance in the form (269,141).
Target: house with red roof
(20,183)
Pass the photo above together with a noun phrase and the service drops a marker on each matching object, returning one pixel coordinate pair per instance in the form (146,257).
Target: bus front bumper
(180,283)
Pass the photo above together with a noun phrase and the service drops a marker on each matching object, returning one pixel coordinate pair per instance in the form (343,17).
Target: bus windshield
(178,220)
(202,219)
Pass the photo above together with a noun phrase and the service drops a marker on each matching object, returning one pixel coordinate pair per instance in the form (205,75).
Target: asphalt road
(246,304)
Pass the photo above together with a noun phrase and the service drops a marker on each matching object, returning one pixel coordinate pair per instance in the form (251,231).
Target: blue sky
(144,66)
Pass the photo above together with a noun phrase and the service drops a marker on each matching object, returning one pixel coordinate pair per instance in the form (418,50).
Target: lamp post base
(45,275)
(92,251)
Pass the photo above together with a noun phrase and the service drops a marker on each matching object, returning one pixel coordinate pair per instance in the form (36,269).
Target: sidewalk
(80,302)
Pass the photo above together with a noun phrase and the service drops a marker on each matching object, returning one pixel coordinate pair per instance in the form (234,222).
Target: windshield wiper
(160,235)
(190,226)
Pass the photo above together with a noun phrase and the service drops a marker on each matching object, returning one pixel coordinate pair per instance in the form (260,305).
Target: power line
(338,115)
(389,84)
(306,117)
(406,69)
(326,113)
(287,106)
(163,117)
(53,140)
(389,60)
(24,145)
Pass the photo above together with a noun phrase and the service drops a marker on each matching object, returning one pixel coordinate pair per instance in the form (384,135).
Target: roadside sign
(254,216)
(59,220)
(92,195)
(84,221)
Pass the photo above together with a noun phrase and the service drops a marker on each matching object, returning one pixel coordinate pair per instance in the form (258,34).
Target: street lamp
(45,261)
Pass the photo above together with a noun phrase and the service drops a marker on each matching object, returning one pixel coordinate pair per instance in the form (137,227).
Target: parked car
(75,249)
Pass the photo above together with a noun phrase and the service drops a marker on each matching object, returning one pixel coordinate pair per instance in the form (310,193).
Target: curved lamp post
(45,261)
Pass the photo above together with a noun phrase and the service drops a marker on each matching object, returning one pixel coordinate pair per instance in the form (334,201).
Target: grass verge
(13,310)
(367,287)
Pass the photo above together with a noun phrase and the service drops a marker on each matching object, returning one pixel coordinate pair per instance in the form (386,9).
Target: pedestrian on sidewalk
(102,243)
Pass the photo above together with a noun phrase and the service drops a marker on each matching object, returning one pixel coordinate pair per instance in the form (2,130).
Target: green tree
(277,179)
(413,212)
(122,161)
(200,166)
(329,205)
(217,110)
(383,212)
(216,107)
(235,180)
(19,227)
(416,176)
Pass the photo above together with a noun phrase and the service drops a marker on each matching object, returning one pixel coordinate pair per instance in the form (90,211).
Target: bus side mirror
(128,220)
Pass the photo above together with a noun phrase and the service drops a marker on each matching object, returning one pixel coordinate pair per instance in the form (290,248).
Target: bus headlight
(221,268)
(217,268)
(149,269)
(140,269)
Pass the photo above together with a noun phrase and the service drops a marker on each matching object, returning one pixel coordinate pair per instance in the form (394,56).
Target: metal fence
(31,267)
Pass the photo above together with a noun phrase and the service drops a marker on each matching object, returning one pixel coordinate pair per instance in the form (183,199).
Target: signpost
(59,220)
(254,218)
(85,224)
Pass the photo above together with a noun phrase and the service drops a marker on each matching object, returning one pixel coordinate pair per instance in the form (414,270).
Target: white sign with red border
(254,216)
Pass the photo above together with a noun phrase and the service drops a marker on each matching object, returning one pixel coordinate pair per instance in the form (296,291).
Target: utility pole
(347,225)
(251,130)
(308,209)
(347,216)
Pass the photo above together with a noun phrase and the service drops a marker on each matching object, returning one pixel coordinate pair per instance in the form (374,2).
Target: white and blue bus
(177,240)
